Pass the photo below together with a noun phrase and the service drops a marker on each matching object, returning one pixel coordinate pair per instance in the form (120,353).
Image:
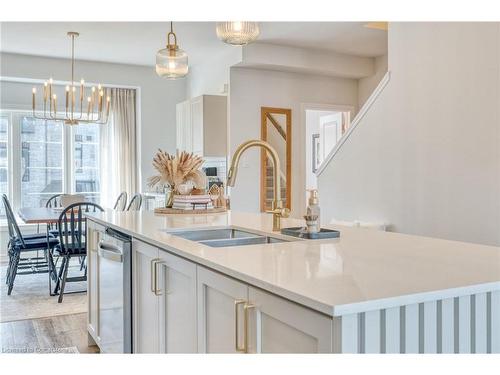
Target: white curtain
(118,147)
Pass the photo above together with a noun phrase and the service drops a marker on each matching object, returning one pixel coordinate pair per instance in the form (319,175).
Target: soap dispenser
(313,206)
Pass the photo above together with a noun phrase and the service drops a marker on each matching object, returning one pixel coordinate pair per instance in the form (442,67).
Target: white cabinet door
(277,325)
(196,115)
(177,290)
(183,127)
(179,125)
(95,233)
(145,329)
(220,312)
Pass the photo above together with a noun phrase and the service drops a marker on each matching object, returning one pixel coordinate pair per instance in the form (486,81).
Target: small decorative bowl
(184,189)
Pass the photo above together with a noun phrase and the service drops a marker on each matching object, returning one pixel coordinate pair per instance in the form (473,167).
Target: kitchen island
(367,291)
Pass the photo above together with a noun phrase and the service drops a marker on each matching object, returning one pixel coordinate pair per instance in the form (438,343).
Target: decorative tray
(167,211)
(300,232)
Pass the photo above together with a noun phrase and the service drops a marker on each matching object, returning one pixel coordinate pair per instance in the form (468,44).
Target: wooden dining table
(39,215)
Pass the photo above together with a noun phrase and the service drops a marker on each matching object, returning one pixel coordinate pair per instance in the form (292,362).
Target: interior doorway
(324,125)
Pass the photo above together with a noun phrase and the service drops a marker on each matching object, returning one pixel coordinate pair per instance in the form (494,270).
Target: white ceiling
(137,42)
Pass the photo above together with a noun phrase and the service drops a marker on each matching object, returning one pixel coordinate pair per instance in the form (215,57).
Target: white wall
(306,61)
(251,89)
(210,76)
(426,157)
(158,96)
(368,84)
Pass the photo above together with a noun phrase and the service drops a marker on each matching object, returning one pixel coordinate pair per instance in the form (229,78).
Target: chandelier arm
(81,108)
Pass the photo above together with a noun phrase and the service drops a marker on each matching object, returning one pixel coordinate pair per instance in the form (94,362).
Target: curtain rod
(62,83)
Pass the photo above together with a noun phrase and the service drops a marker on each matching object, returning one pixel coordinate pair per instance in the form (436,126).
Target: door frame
(301,191)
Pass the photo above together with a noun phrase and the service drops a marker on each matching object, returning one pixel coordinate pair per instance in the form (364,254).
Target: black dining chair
(21,244)
(72,231)
(121,202)
(135,203)
(53,202)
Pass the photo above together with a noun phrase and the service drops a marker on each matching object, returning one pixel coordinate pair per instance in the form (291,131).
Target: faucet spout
(278,211)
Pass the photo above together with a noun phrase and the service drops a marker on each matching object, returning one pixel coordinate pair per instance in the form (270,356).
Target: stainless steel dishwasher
(115,292)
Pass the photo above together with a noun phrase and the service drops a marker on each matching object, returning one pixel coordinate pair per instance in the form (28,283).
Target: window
(4,181)
(41,160)
(86,160)
(47,158)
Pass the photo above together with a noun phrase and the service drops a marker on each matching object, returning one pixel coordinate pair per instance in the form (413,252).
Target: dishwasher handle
(110,252)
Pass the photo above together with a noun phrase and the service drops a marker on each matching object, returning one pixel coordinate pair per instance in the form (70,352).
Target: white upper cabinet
(202,125)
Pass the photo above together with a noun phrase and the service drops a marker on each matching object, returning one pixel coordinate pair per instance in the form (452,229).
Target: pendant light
(171,62)
(238,33)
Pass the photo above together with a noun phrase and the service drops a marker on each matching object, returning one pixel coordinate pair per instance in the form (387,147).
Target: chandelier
(75,111)
(237,33)
(171,62)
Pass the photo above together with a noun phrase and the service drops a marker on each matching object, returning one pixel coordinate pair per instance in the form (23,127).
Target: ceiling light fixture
(238,33)
(171,62)
(73,115)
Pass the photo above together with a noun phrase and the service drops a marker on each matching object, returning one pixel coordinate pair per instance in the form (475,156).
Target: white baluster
(448,325)
(392,330)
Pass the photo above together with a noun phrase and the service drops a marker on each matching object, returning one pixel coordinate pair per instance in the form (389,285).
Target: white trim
(362,112)
(390,302)
(303,149)
(62,83)
(138,137)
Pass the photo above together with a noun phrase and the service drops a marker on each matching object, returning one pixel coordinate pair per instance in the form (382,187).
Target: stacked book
(192,202)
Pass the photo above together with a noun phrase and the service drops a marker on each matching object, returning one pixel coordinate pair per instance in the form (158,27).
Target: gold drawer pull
(157,290)
(153,275)
(246,308)
(237,303)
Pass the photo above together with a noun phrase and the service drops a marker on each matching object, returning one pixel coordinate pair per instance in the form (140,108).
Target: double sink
(228,236)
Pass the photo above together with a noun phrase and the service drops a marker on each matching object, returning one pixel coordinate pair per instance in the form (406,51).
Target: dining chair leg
(13,272)
(64,276)
(12,257)
(59,275)
(52,270)
(8,268)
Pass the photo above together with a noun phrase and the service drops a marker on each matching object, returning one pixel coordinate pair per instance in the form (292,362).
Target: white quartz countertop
(360,271)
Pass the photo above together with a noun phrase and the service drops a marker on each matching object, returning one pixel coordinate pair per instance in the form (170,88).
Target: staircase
(269,190)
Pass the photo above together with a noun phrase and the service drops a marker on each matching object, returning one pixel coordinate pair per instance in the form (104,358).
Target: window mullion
(68,165)
(15,159)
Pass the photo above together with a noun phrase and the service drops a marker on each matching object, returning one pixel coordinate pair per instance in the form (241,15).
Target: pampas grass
(178,169)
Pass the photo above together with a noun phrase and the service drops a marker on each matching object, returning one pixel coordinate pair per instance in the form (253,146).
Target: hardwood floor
(46,335)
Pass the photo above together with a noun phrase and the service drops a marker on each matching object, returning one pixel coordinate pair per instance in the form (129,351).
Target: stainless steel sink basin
(214,234)
(228,237)
(242,241)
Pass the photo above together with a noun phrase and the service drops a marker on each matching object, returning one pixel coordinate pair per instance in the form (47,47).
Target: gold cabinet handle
(237,304)
(247,307)
(157,290)
(153,275)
